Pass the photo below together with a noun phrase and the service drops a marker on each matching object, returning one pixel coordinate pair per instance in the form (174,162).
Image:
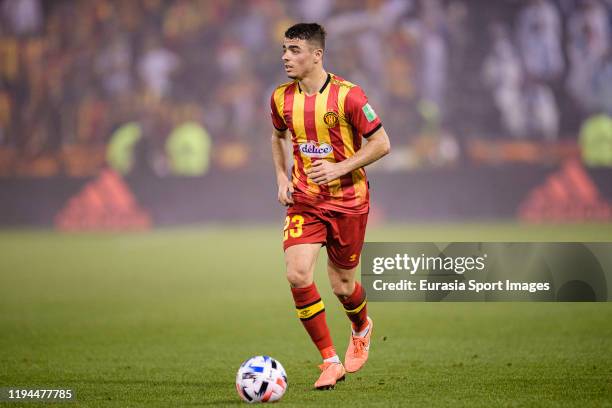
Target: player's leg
(350,293)
(353,298)
(302,246)
(300,260)
(343,248)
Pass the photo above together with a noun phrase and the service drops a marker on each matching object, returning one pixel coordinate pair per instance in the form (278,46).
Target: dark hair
(312,32)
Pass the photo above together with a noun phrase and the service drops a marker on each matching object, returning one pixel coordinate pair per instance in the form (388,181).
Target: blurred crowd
(73,72)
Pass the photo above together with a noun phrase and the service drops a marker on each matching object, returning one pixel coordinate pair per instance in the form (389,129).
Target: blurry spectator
(596,140)
(184,18)
(539,39)
(5,117)
(434,53)
(113,66)
(238,96)
(543,117)
(9,59)
(91,124)
(120,151)
(364,27)
(251,28)
(23,17)
(603,85)
(188,149)
(238,89)
(503,73)
(315,10)
(156,67)
(527,107)
(589,40)
(458,35)
(231,57)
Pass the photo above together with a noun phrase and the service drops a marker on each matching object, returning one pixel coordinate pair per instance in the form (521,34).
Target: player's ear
(318,53)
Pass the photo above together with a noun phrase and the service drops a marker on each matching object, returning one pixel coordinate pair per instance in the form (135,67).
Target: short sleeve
(360,114)
(277,120)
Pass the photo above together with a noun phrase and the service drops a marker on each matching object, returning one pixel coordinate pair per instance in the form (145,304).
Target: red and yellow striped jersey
(326,126)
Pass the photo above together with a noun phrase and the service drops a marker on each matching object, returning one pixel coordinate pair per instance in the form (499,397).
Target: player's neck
(311,84)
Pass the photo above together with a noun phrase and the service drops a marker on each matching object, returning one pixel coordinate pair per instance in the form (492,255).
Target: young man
(324,117)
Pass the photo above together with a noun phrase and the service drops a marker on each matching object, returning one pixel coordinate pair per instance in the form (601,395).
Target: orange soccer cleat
(331,373)
(357,352)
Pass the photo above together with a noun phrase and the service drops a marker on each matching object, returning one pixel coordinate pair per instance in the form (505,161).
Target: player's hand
(285,191)
(322,171)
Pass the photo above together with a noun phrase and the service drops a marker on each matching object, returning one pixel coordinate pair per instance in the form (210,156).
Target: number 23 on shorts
(293,226)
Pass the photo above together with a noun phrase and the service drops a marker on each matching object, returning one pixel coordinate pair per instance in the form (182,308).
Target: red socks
(311,312)
(356,308)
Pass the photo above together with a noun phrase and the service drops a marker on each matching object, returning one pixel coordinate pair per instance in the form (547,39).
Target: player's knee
(343,287)
(298,276)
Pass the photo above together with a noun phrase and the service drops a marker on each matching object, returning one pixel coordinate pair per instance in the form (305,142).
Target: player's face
(299,57)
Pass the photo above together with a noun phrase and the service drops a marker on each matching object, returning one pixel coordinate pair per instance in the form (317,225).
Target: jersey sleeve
(277,120)
(360,114)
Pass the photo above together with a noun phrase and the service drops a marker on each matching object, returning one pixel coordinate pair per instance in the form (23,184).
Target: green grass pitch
(164,319)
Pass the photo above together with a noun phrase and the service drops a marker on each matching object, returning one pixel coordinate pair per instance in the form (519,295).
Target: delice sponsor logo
(313,149)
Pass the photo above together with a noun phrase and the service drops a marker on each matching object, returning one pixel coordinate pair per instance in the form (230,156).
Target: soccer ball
(261,379)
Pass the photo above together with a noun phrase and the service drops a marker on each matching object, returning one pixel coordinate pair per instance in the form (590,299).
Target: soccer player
(324,117)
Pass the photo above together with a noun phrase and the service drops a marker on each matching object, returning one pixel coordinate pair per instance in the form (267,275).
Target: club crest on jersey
(314,149)
(331,119)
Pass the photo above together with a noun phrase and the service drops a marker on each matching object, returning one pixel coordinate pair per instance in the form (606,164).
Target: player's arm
(378,145)
(364,120)
(280,140)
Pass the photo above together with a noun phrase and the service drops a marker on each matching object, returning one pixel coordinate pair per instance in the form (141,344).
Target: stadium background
(143,126)
(484,102)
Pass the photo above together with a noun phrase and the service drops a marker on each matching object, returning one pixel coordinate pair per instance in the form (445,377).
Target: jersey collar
(322,88)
